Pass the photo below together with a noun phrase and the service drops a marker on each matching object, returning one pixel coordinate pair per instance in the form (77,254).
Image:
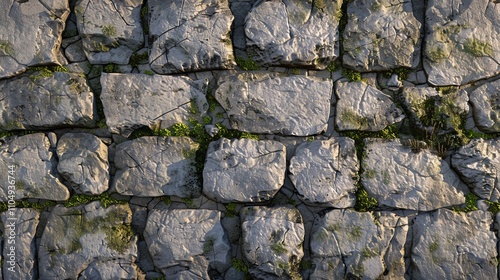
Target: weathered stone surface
(478,164)
(326,172)
(190,35)
(244,170)
(44,100)
(346,244)
(33,166)
(111,30)
(110,270)
(363,107)
(400,178)
(132,101)
(19,227)
(157,166)
(293,33)
(451,245)
(273,103)
(485,102)
(83,162)
(381,35)
(462,42)
(187,244)
(75,238)
(30,34)
(272,241)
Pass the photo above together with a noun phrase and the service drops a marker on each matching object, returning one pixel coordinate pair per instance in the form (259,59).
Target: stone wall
(280,139)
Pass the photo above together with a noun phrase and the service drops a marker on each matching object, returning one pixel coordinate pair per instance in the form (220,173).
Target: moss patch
(246,64)
(477,48)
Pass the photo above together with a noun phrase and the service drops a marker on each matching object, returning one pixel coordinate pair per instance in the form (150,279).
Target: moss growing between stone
(38,73)
(477,48)
(108,30)
(351,75)
(279,248)
(145,18)
(105,199)
(231,210)
(119,237)
(401,72)
(208,245)
(319,4)
(136,59)
(470,204)
(246,64)
(364,202)
(111,68)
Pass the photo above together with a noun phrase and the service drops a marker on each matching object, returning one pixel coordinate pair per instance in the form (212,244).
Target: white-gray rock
(400,178)
(19,248)
(190,35)
(346,244)
(244,170)
(83,162)
(132,101)
(451,245)
(462,43)
(381,35)
(83,238)
(325,172)
(45,100)
(272,241)
(111,30)
(485,102)
(157,166)
(478,164)
(274,103)
(27,163)
(363,107)
(186,244)
(30,34)
(110,270)
(293,33)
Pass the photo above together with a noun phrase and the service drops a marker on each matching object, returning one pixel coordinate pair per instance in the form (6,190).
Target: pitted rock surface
(244,170)
(273,103)
(363,107)
(293,33)
(325,172)
(190,35)
(400,178)
(157,166)
(132,101)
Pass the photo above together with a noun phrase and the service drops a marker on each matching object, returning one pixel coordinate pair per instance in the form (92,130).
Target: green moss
(471,134)
(149,72)
(319,4)
(477,48)
(305,264)
(231,210)
(119,237)
(401,72)
(334,66)
(246,64)
(364,202)
(35,205)
(105,199)
(108,30)
(239,265)
(349,116)
(356,233)
(136,59)
(433,247)
(295,71)
(369,253)
(351,75)
(6,48)
(208,245)
(279,248)
(494,207)
(167,200)
(145,18)
(447,89)
(189,202)
(111,68)
(470,204)
(100,47)
(436,54)
(370,173)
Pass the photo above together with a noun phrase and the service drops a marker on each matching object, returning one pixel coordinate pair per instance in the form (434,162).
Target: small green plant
(447,89)
(319,4)
(189,202)
(111,68)
(351,75)
(470,204)
(239,265)
(477,48)
(149,72)
(356,233)
(119,237)
(246,64)
(208,245)
(145,19)
(105,199)
(231,210)
(100,47)
(494,207)
(136,59)
(167,200)
(41,72)
(279,248)
(364,202)
(295,71)
(401,72)
(35,205)
(333,66)
(108,30)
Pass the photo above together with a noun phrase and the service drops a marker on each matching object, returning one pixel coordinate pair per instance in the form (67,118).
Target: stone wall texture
(249,139)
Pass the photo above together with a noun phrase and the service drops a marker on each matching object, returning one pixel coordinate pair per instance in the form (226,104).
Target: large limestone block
(132,101)
(272,103)
(325,172)
(462,42)
(451,245)
(485,102)
(45,100)
(293,33)
(398,177)
(31,166)
(244,170)
(190,35)
(30,34)
(111,30)
(381,35)
(157,166)
(187,244)
(78,240)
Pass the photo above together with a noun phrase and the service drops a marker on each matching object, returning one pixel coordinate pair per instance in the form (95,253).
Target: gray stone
(27,163)
(83,162)
(186,244)
(381,35)
(110,270)
(30,34)
(89,239)
(272,241)
(400,178)
(75,53)
(275,103)
(211,129)
(325,172)
(478,164)
(462,43)
(132,101)
(45,100)
(110,30)
(190,35)
(293,33)
(346,244)
(363,107)
(19,228)
(485,102)
(157,166)
(451,245)
(244,170)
